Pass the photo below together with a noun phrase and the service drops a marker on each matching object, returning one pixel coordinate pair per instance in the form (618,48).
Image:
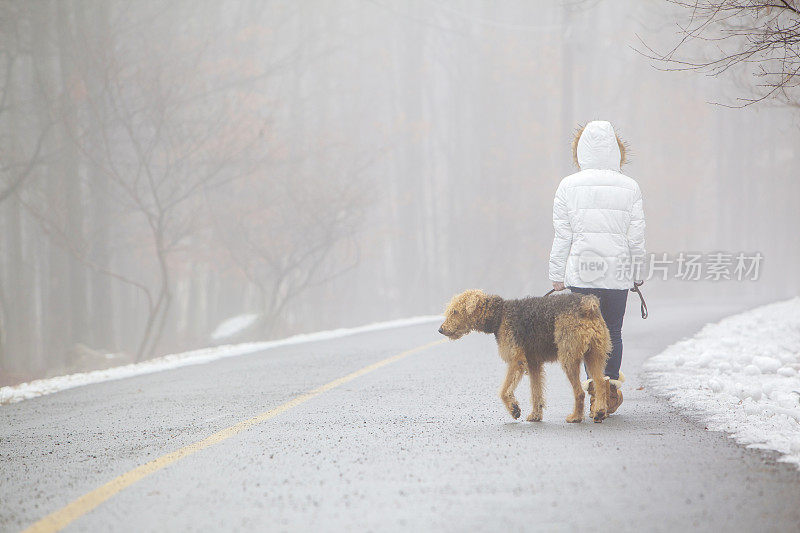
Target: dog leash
(636,285)
(643,306)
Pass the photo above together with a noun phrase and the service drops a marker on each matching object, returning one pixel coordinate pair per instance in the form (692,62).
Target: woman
(599,234)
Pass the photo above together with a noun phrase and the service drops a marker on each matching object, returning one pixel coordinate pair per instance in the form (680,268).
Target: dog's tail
(590,307)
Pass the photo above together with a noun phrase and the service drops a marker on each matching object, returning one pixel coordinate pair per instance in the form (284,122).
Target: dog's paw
(515,411)
(534,417)
(573,418)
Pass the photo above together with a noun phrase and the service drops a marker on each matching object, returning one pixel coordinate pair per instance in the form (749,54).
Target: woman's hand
(559,286)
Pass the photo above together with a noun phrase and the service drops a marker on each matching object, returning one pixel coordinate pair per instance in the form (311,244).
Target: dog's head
(460,315)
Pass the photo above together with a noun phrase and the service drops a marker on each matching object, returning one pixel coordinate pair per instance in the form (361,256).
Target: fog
(165,166)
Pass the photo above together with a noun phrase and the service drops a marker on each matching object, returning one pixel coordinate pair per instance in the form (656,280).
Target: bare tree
(287,235)
(18,161)
(156,134)
(171,158)
(763,34)
(18,169)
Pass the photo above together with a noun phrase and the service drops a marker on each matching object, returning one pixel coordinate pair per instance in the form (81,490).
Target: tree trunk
(70,178)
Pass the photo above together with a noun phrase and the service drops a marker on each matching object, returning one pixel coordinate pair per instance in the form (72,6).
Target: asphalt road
(420,444)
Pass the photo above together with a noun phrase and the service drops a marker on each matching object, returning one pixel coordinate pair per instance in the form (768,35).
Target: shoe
(615,393)
(615,398)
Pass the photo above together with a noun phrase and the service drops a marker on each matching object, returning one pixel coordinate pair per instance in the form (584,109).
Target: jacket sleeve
(562,242)
(636,236)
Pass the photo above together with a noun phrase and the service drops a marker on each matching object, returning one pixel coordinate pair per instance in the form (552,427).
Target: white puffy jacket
(598,217)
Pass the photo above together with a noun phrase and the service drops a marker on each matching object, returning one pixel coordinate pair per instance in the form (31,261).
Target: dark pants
(612,307)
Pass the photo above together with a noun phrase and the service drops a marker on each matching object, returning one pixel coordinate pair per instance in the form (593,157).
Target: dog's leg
(513,375)
(537,392)
(596,366)
(573,371)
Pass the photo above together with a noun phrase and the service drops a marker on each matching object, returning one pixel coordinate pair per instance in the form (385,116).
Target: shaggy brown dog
(567,328)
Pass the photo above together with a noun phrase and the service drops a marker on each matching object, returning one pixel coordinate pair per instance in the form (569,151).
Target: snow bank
(233,325)
(41,387)
(741,376)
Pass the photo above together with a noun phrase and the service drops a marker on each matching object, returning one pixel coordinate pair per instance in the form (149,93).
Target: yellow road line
(77,508)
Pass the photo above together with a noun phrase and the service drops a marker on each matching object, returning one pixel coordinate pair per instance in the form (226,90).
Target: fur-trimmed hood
(598,216)
(597,146)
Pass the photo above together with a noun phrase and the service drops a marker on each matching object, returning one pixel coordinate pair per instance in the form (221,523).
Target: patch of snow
(741,376)
(232,326)
(40,387)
